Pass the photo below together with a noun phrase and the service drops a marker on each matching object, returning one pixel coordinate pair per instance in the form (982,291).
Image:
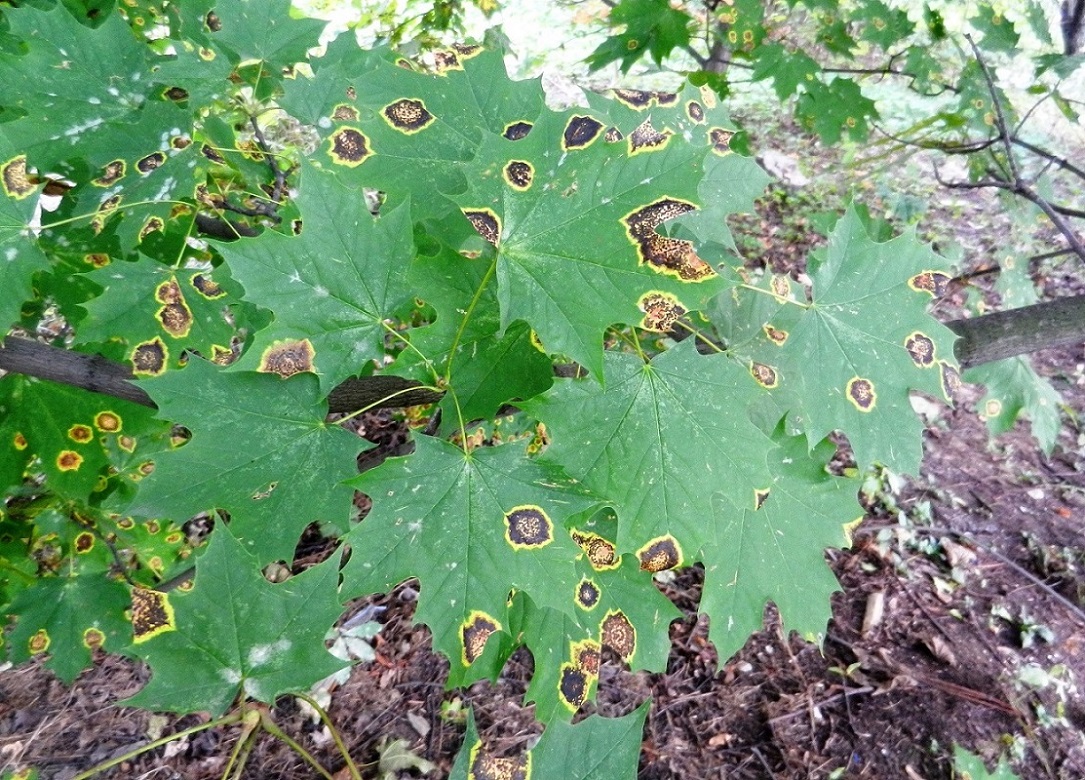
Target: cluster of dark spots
(528,527)
(634,98)
(147,164)
(152,225)
(207,287)
(345,113)
(861,393)
(601,552)
(176,319)
(951,380)
(446,60)
(108,422)
(487,767)
(80,433)
(84,542)
(349,146)
(573,686)
(647,139)
(486,223)
(587,594)
(661,311)
(519,174)
(775,335)
(408,115)
(921,349)
(933,282)
(111,173)
(152,614)
(580,132)
(14,177)
(765,376)
(613,135)
(660,554)
(667,255)
(149,357)
(475,631)
(212,154)
(720,140)
(514,131)
(69,460)
(287,358)
(617,633)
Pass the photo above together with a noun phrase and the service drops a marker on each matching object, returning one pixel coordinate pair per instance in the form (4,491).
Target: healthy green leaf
(260,450)
(234,632)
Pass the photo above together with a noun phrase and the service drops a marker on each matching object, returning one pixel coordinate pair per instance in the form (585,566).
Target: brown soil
(971,562)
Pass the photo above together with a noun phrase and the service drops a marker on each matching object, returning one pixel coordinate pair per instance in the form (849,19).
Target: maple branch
(984,339)
(101,375)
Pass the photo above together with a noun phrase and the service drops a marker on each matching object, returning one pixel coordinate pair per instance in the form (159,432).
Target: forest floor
(960,622)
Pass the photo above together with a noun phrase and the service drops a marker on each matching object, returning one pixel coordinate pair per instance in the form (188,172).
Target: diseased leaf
(66,617)
(773,550)
(472,527)
(263,31)
(1014,390)
(331,288)
(161,311)
(234,633)
(20,256)
(260,450)
(578,217)
(849,358)
(656,441)
(597,748)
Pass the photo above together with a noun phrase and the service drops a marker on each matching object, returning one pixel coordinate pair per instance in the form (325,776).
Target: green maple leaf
(596,748)
(235,633)
(67,616)
(1015,389)
(566,648)
(472,527)
(64,432)
(404,132)
(788,70)
(998,32)
(264,31)
(774,550)
(657,441)
(20,256)
(836,108)
(160,311)
(485,367)
(578,221)
(849,359)
(331,288)
(650,25)
(99,82)
(260,450)
(883,25)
